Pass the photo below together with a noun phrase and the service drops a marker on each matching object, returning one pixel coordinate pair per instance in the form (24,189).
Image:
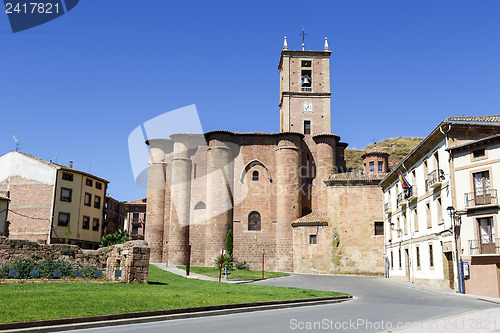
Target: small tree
(229,242)
(118,237)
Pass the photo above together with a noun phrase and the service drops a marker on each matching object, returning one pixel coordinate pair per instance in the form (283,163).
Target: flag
(404,183)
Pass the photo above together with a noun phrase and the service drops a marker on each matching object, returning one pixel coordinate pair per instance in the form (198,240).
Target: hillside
(397,147)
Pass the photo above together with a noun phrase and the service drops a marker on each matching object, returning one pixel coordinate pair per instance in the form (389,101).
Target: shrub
(242,265)
(227,259)
(118,237)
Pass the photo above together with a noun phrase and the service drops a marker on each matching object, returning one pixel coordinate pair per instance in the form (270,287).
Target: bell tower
(305,91)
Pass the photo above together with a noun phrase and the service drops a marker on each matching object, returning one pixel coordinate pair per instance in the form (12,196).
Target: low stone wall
(131,257)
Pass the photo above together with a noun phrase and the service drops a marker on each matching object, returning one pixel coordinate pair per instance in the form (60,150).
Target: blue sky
(80,84)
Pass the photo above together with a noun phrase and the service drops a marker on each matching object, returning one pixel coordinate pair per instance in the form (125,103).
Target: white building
(476,175)
(419,234)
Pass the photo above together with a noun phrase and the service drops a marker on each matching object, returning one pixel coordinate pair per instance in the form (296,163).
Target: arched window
(200,205)
(255,176)
(254,221)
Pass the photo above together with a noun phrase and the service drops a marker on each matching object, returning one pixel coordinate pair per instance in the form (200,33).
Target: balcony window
(482,191)
(135,217)
(487,243)
(434,179)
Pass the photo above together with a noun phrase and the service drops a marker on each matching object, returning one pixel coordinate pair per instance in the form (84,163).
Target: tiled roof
(137,202)
(475,118)
(477,142)
(62,167)
(314,217)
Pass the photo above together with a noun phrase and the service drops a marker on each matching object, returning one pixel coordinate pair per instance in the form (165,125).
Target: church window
(307,127)
(255,176)
(254,221)
(306,63)
(372,166)
(312,239)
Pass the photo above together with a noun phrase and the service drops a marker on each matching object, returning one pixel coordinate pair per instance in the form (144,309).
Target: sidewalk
(441,291)
(181,272)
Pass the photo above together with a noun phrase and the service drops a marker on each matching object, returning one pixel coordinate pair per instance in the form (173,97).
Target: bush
(242,265)
(227,259)
(118,237)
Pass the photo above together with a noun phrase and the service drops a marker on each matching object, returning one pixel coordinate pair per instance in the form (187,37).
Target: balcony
(477,199)
(138,221)
(434,180)
(411,193)
(476,246)
(387,208)
(401,201)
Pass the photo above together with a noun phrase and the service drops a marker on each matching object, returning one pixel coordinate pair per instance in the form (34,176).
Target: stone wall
(131,257)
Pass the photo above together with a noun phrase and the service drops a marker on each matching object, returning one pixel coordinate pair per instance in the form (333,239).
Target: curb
(53,325)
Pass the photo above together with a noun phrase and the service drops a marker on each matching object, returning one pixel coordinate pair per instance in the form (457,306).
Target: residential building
(52,203)
(476,177)
(114,216)
(135,218)
(421,236)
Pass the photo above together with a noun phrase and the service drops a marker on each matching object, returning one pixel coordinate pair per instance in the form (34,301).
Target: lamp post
(452,212)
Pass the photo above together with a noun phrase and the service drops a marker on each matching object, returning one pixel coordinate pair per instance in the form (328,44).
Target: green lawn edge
(41,301)
(235,274)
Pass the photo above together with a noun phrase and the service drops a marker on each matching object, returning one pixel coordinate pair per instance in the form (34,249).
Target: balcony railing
(434,179)
(476,246)
(411,193)
(387,208)
(306,89)
(485,197)
(138,221)
(401,200)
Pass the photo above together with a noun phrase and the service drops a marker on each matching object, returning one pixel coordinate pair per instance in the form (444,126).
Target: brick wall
(132,256)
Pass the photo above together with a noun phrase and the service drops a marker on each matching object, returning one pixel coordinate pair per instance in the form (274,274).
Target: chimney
(71,164)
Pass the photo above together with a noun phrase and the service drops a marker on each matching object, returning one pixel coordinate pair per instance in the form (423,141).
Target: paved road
(379,305)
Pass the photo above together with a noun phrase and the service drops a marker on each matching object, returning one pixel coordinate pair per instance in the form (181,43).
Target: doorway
(407,264)
(448,268)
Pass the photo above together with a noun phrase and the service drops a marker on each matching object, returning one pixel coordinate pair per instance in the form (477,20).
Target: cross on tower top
(303,38)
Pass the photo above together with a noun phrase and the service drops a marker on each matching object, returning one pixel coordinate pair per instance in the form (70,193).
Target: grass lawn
(36,301)
(236,274)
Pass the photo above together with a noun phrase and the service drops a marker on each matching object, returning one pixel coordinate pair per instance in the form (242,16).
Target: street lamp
(452,212)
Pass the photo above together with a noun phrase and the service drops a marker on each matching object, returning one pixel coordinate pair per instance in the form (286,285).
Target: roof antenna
(18,143)
(57,156)
(303,38)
